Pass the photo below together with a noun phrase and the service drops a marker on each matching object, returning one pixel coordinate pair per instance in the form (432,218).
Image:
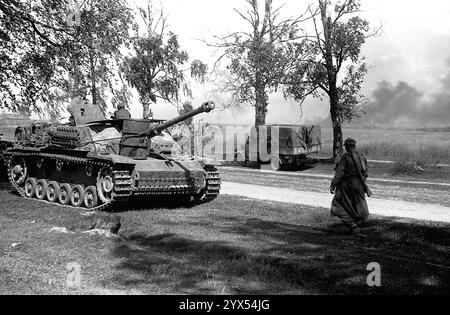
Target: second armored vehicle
(97,162)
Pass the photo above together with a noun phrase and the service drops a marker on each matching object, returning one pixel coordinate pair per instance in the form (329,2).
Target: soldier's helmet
(350,142)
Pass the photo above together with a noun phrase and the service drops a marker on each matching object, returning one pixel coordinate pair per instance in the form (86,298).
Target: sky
(411,55)
(414,47)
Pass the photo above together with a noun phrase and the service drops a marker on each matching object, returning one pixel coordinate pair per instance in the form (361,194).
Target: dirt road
(381,207)
(393,198)
(329,177)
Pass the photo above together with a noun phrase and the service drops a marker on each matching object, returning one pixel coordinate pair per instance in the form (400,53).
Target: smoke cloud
(402,105)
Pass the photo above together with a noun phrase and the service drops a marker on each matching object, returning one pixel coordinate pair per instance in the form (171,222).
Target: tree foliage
(260,57)
(156,67)
(32,33)
(186,107)
(95,50)
(339,34)
(48,56)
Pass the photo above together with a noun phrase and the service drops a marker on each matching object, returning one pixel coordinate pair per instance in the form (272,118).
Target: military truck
(9,131)
(295,143)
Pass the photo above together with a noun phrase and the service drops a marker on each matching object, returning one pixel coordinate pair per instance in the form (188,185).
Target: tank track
(122,179)
(4,157)
(213,182)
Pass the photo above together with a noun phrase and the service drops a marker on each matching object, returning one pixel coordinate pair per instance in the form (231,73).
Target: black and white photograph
(225,154)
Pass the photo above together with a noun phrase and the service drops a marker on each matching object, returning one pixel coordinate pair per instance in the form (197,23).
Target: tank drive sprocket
(213,185)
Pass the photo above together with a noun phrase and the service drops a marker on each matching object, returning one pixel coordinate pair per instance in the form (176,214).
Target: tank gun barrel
(205,108)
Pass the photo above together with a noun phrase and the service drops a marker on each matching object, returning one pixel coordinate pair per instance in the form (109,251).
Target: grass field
(230,246)
(396,145)
(424,148)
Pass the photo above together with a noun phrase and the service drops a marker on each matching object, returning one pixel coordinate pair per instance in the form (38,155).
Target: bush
(408,168)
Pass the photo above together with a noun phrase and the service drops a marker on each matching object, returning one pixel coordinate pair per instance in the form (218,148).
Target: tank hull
(108,179)
(92,164)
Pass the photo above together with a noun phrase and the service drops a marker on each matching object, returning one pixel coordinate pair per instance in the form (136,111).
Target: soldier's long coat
(349,203)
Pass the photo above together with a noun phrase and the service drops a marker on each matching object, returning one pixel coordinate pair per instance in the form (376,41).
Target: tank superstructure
(97,162)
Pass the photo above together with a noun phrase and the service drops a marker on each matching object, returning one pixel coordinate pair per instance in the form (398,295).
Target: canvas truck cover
(299,139)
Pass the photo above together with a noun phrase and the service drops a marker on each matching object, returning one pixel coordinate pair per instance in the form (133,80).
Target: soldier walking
(349,187)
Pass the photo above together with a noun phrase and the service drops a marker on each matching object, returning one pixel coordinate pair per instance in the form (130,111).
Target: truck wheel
(19,135)
(275,163)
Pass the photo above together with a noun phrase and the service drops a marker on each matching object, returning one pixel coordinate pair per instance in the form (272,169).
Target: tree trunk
(192,134)
(338,141)
(260,107)
(332,81)
(146,112)
(260,120)
(93,84)
(337,137)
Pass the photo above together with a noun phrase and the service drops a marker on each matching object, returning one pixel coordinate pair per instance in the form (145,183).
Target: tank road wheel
(18,170)
(77,196)
(53,191)
(65,190)
(90,197)
(105,185)
(41,189)
(30,187)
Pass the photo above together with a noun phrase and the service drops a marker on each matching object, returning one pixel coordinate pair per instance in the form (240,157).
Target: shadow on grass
(247,255)
(134,204)
(293,260)
(152,203)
